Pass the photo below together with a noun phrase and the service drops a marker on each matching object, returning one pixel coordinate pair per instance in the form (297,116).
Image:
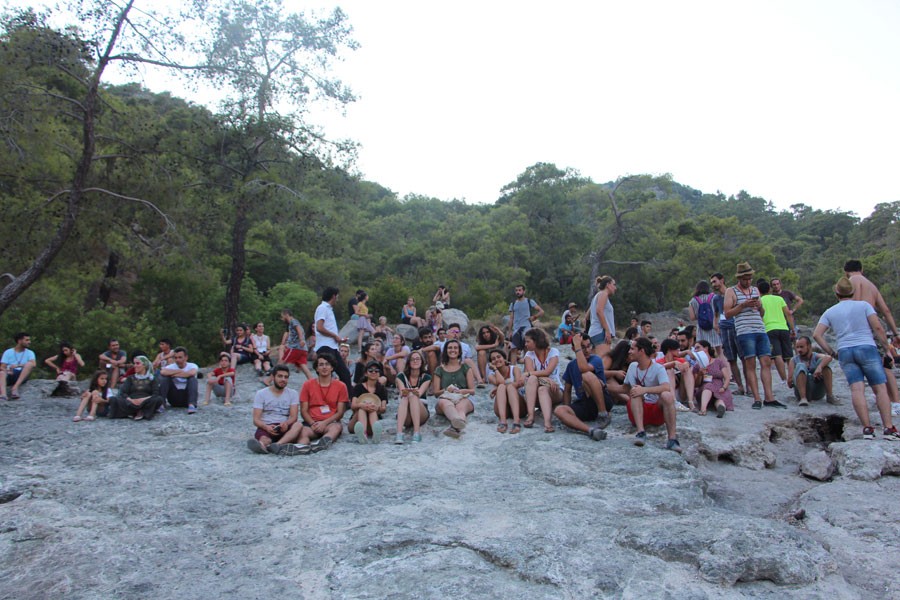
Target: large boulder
(408,332)
(454,315)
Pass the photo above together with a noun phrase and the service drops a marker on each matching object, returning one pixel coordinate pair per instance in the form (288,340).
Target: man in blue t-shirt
(16,365)
(592,401)
(520,321)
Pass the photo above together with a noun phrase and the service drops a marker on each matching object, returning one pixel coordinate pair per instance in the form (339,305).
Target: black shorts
(780,339)
(585,409)
(518,338)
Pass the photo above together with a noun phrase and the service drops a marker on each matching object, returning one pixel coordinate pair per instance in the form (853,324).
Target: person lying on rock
(585,377)
(652,401)
(276,415)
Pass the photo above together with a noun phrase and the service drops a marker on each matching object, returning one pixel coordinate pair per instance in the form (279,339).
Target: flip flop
(501,428)
(528,424)
(549,429)
(76,418)
(515,429)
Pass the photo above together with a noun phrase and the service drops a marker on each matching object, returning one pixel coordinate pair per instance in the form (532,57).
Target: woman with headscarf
(138,396)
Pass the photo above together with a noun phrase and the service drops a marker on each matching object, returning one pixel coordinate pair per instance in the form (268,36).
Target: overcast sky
(794,101)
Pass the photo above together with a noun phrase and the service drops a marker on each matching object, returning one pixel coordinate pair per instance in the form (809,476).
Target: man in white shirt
(178,381)
(328,339)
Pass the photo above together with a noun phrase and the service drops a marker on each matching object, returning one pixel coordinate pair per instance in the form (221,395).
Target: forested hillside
(153,254)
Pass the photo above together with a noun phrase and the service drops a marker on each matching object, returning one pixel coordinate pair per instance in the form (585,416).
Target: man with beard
(275,414)
(520,320)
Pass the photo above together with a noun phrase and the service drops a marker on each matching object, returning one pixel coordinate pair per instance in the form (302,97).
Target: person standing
(520,321)
(856,326)
(793,301)
(743,304)
(726,331)
(603,319)
(328,337)
(779,323)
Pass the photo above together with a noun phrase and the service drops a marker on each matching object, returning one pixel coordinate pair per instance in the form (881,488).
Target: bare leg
(85,399)
(228,391)
(736,373)
(568,418)
(750,372)
(765,373)
(667,400)
(531,398)
(500,403)
(802,386)
(705,397)
(637,411)
(884,405)
(482,362)
(512,397)
(209,386)
(779,366)
(403,408)
(858,398)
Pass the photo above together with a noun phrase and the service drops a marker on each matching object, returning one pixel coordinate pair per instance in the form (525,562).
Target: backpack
(705,313)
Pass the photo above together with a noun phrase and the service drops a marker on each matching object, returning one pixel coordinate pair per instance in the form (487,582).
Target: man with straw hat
(743,304)
(854,322)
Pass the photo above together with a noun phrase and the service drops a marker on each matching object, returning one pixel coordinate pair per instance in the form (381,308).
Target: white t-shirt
(325,313)
(654,375)
(849,319)
(180,382)
(537,365)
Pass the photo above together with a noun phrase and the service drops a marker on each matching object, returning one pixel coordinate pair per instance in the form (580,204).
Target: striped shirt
(748,320)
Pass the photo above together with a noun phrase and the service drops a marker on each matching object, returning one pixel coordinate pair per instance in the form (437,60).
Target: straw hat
(744,268)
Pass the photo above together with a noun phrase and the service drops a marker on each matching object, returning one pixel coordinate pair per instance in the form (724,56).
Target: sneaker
(803,402)
(757,405)
(891,434)
(641,438)
(376,432)
(323,443)
(417,437)
(360,430)
(255,446)
(597,434)
(868,433)
(832,399)
(275,448)
(191,409)
(452,432)
(293,449)
(681,407)
(398,439)
(720,410)
(674,446)
(604,420)
(775,404)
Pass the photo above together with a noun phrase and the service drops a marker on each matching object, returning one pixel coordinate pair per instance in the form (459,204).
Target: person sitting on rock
(71,360)
(178,381)
(679,371)
(426,344)
(366,412)
(566,330)
(396,357)
(441,297)
(542,384)
(408,314)
(139,397)
(386,330)
(652,401)
(275,415)
(97,396)
(454,384)
(371,351)
(363,323)
(809,373)
(489,337)
(454,332)
(615,366)
(585,377)
(412,386)
(261,346)
(221,381)
(113,359)
(323,401)
(508,392)
(16,365)
(713,380)
(164,356)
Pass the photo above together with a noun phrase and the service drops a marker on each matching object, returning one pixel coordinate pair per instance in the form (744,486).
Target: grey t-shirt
(654,375)
(275,409)
(521,310)
(293,340)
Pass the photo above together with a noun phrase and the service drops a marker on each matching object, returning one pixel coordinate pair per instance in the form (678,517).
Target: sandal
(549,429)
(227,404)
(76,418)
(515,429)
(529,423)
(702,413)
(89,418)
(501,428)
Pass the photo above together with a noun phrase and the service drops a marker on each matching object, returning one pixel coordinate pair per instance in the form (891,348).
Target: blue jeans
(862,362)
(751,345)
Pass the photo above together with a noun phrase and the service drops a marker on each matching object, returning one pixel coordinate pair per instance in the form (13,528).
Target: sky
(795,101)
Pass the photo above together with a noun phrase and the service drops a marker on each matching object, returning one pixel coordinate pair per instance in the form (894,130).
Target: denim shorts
(862,362)
(751,345)
(729,343)
(598,339)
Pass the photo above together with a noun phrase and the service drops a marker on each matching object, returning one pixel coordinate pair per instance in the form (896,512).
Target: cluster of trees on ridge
(180,220)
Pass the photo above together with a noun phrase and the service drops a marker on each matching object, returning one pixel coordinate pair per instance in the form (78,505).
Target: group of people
(691,370)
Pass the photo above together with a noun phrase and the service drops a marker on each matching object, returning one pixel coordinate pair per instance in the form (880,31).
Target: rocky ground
(178,507)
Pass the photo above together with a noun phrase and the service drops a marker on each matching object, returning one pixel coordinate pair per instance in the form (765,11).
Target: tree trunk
(238,259)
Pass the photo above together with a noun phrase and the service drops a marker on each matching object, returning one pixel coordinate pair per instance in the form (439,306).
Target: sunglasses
(373,370)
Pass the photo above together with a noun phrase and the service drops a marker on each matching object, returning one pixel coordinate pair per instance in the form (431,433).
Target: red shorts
(294,357)
(653,414)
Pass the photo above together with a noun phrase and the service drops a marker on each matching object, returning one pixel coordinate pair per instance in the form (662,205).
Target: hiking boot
(673,445)
(597,434)
(868,433)
(640,438)
(891,434)
(604,420)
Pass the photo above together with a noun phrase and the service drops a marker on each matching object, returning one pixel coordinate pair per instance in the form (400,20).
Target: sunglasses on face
(373,370)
